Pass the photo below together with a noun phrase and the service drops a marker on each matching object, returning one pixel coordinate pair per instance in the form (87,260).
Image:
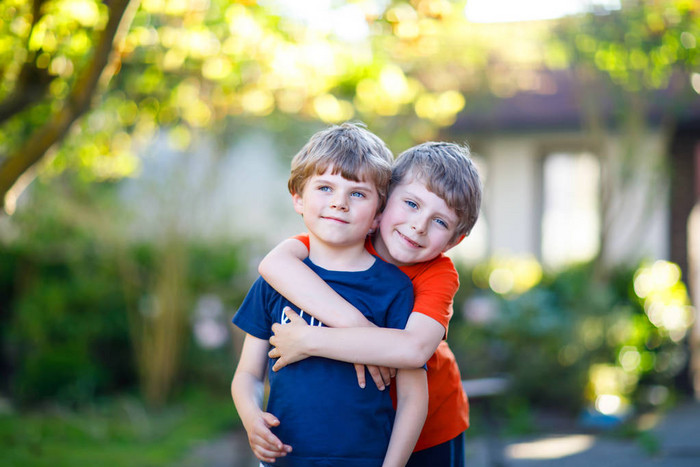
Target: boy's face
(338,211)
(416,225)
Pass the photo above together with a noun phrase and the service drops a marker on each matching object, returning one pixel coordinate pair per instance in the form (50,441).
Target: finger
(291,314)
(279,364)
(360,370)
(271,450)
(274,353)
(392,372)
(376,375)
(385,374)
(269,419)
(260,445)
(268,456)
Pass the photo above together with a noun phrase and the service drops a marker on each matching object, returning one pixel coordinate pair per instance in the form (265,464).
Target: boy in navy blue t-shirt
(316,412)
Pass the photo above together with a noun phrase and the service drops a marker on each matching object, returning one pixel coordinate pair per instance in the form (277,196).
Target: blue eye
(441,223)
(324,188)
(357,194)
(411,204)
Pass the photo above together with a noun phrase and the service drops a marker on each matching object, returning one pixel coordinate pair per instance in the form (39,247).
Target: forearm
(247,393)
(285,271)
(397,348)
(411,410)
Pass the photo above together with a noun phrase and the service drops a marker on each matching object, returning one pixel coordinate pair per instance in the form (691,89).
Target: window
(571,214)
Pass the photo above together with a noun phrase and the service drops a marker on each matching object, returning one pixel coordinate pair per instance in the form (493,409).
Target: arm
(284,270)
(411,410)
(399,348)
(427,325)
(247,392)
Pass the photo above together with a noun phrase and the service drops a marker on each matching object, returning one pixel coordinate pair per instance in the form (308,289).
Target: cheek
(386,221)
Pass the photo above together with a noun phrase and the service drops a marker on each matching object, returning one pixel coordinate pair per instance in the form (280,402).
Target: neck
(339,257)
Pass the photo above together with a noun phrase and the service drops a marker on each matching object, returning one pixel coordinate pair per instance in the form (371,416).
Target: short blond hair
(448,171)
(351,150)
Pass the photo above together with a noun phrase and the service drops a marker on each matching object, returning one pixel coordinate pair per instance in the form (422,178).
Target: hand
(288,340)
(381,375)
(265,445)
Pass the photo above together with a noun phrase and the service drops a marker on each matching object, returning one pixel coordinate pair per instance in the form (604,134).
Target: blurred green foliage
(568,340)
(65,309)
(119,432)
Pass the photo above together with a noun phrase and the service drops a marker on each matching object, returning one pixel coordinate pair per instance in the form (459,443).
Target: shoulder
(438,271)
(392,272)
(260,291)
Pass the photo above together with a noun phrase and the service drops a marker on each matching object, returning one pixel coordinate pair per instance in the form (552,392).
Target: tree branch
(99,70)
(32,82)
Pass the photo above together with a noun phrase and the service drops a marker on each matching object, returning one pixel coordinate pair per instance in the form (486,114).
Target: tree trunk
(99,70)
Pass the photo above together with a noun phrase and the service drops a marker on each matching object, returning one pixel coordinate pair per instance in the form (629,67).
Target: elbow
(416,356)
(263,267)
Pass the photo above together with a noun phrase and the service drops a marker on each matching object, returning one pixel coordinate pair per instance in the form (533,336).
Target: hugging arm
(284,270)
(247,392)
(410,347)
(411,410)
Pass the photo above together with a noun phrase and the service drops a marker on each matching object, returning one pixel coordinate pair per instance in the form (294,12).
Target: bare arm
(411,410)
(284,270)
(399,348)
(247,391)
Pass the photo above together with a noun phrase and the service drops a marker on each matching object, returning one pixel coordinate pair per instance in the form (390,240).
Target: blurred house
(567,175)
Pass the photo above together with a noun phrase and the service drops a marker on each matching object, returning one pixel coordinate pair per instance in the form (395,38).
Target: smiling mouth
(408,240)
(335,219)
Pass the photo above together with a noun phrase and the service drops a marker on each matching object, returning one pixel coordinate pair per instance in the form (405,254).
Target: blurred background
(144,152)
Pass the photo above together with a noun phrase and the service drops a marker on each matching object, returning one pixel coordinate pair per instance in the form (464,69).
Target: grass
(117,433)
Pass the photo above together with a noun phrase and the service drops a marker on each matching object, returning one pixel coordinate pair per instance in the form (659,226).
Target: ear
(454,243)
(298,202)
(375,224)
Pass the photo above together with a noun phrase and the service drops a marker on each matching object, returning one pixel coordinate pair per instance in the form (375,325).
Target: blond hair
(351,150)
(448,171)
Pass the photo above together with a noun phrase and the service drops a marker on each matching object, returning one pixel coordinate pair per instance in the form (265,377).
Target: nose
(339,202)
(419,224)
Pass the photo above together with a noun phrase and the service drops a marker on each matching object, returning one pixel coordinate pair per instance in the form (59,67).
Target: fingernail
(362,385)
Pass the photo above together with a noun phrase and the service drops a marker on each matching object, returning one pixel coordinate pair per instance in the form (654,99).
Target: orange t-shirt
(435,283)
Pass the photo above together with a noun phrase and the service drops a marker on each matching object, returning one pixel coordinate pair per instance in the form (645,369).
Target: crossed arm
(352,338)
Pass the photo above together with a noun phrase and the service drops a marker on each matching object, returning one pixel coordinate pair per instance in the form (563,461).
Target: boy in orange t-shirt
(433,203)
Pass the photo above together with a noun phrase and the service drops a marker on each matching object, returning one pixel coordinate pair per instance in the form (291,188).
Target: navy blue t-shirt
(324,415)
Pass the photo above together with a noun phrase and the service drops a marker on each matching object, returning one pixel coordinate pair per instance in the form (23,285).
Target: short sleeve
(400,308)
(253,316)
(303,238)
(435,289)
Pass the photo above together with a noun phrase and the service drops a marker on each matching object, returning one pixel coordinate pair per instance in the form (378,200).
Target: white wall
(638,226)
(237,193)
(510,194)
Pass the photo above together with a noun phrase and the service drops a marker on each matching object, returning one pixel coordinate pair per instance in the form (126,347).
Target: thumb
(270,420)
